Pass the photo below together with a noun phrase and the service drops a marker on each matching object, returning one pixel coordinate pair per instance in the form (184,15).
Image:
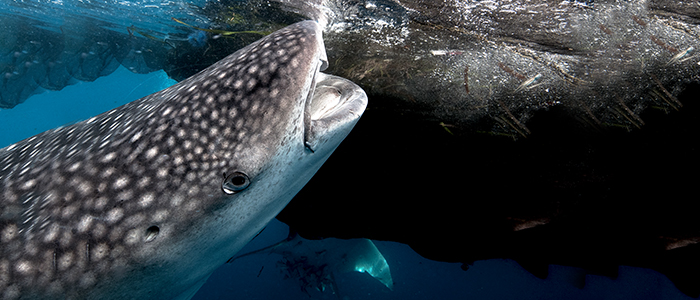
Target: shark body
(147,200)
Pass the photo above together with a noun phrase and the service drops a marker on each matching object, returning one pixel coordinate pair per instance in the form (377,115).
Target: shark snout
(336,106)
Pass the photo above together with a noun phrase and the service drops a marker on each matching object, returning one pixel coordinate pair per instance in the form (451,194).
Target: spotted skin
(129,204)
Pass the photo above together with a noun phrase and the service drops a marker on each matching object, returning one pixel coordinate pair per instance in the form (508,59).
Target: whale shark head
(146,200)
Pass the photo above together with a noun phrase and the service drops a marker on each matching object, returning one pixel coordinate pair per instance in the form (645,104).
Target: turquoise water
(58,15)
(76,102)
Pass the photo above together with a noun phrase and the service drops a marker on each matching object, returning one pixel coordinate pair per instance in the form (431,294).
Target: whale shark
(146,200)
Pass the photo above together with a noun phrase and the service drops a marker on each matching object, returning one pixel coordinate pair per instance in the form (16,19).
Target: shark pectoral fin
(192,290)
(371,261)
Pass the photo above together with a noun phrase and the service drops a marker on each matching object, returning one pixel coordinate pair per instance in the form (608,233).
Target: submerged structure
(484,66)
(315,263)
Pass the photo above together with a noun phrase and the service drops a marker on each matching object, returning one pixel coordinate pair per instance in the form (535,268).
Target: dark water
(258,277)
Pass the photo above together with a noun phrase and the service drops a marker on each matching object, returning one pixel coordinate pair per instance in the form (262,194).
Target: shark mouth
(335,106)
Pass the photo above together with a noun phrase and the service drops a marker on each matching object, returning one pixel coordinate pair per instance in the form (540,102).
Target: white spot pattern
(75,202)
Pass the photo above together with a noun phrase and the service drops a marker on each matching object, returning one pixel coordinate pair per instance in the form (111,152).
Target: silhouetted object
(314,263)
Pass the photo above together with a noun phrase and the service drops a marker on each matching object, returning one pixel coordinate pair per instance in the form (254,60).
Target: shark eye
(235,182)
(152,233)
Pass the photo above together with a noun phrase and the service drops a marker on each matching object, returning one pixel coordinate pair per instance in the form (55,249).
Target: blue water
(76,102)
(258,277)
(197,38)
(117,15)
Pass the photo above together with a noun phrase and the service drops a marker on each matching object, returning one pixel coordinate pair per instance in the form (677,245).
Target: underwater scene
(509,149)
(298,274)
